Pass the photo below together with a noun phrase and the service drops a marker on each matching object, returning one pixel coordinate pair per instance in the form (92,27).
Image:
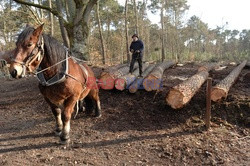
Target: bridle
(36,54)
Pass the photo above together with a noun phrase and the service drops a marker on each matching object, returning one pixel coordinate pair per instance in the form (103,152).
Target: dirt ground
(135,129)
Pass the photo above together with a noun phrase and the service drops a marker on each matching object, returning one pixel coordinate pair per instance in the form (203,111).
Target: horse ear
(28,25)
(37,32)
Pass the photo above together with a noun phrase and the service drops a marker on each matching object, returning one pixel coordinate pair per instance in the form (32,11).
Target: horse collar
(58,77)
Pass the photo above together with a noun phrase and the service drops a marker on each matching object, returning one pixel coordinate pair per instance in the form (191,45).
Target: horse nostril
(14,73)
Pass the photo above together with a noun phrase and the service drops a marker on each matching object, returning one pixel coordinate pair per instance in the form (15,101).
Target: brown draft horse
(62,80)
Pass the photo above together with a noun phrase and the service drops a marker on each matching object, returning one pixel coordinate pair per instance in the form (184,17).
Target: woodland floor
(135,129)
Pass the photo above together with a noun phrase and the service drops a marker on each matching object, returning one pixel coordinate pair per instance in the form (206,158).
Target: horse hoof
(98,115)
(64,141)
(57,132)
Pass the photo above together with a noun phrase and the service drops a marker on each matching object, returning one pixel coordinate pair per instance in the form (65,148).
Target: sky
(216,13)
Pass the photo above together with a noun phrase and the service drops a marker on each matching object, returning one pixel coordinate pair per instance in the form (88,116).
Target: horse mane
(53,49)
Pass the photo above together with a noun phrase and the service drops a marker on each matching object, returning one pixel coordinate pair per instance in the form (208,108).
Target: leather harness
(59,77)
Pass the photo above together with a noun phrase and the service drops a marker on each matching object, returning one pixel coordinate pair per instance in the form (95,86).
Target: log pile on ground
(153,80)
(181,94)
(138,82)
(220,90)
(124,81)
(107,78)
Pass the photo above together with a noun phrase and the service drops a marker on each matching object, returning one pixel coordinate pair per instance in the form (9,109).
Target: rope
(52,66)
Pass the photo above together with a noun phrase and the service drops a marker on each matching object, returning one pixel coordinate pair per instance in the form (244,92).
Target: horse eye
(29,45)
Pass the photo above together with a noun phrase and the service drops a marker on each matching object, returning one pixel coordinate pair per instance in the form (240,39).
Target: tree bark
(162,32)
(138,82)
(220,90)
(100,31)
(208,67)
(136,18)
(51,18)
(126,30)
(125,81)
(181,94)
(154,79)
(64,34)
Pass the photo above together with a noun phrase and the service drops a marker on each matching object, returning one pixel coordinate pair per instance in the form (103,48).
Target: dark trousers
(135,57)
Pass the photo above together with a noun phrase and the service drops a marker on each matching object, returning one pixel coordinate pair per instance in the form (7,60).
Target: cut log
(112,69)
(153,80)
(124,82)
(138,82)
(107,80)
(208,67)
(181,94)
(220,90)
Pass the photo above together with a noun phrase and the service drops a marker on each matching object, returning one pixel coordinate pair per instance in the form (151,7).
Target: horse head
(28,53)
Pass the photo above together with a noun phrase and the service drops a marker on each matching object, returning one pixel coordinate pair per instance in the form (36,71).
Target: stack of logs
(119,77)
(181,94)
(178,96)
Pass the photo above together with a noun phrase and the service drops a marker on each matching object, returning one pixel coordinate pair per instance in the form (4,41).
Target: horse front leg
(66,117)
(57,114)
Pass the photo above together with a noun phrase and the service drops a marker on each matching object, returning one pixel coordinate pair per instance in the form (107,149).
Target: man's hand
(138,51)
(132,50)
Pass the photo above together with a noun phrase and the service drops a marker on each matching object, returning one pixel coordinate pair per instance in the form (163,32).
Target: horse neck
(53,50)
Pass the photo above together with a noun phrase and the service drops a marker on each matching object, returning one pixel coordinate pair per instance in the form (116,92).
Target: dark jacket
(137,45)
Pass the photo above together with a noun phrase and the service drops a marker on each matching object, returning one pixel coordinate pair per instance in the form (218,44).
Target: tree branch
(51,10)
(88,9)
(34,14)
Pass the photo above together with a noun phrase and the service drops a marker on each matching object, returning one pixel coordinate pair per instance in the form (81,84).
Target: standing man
(136,48)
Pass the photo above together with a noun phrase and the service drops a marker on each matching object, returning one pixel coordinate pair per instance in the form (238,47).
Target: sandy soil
(135,129)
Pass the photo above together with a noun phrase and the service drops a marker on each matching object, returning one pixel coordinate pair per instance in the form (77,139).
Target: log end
(133,88)
(217,94)
(120,84)
(151,83)
(107,82)
(175,99)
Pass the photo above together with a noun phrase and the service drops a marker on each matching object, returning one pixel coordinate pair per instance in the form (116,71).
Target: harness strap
(32,57)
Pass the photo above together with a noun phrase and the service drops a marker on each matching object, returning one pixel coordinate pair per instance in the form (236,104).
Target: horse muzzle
(17,71)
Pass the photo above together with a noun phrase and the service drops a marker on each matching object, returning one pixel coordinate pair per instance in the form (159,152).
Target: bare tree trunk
(162,33)
(136,19)
(41,10)
(51,18)
(100,31)
(62,28)
(126,30)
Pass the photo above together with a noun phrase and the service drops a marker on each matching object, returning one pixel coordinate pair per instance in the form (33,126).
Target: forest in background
(100,31)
